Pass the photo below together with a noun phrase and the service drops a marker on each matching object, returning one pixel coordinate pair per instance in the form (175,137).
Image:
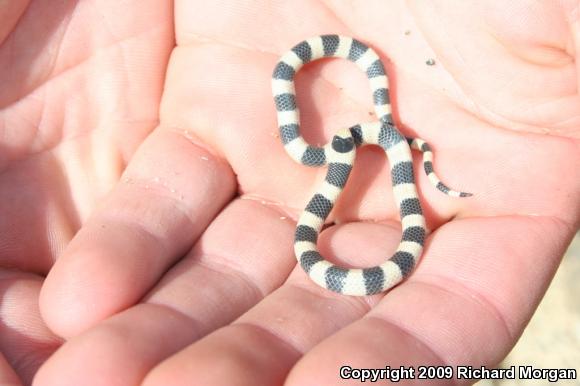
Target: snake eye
(342,145)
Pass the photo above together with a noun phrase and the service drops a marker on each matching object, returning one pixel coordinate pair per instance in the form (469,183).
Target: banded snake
(339,155)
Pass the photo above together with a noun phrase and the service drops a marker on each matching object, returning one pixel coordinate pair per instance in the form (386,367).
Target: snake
(339,156)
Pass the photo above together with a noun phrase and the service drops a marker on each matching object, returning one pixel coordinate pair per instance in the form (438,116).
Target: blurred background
(552,339)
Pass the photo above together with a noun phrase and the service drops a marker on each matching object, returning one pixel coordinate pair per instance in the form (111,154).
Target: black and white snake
(339,155)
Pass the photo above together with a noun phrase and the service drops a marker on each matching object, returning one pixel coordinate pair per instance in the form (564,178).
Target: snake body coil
(339,155)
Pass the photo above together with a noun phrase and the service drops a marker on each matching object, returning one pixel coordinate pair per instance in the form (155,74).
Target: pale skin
(148,207)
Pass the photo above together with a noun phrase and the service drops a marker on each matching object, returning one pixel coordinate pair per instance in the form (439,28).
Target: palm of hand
(69,132)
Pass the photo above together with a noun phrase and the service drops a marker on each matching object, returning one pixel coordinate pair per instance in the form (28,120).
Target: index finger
(170,192)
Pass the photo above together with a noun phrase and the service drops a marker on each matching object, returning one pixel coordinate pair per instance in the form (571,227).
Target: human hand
(121,288)
(73,110)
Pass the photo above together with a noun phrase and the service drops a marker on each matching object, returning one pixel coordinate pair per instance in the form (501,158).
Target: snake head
(342,145)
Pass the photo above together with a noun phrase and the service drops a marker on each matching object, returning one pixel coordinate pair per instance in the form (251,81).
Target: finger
(262,346)
(145,333)
(25,340)
(237,260)
(7,375)
(10,12)
(168,195)
(463,306)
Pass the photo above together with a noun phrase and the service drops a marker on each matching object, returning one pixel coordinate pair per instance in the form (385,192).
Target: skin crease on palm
(148,207)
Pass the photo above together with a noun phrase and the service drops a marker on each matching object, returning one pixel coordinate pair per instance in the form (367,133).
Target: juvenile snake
(339,155)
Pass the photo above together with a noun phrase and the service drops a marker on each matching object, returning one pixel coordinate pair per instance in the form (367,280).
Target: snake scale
(339,155)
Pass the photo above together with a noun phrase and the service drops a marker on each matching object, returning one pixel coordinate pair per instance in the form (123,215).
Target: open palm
(139,148)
